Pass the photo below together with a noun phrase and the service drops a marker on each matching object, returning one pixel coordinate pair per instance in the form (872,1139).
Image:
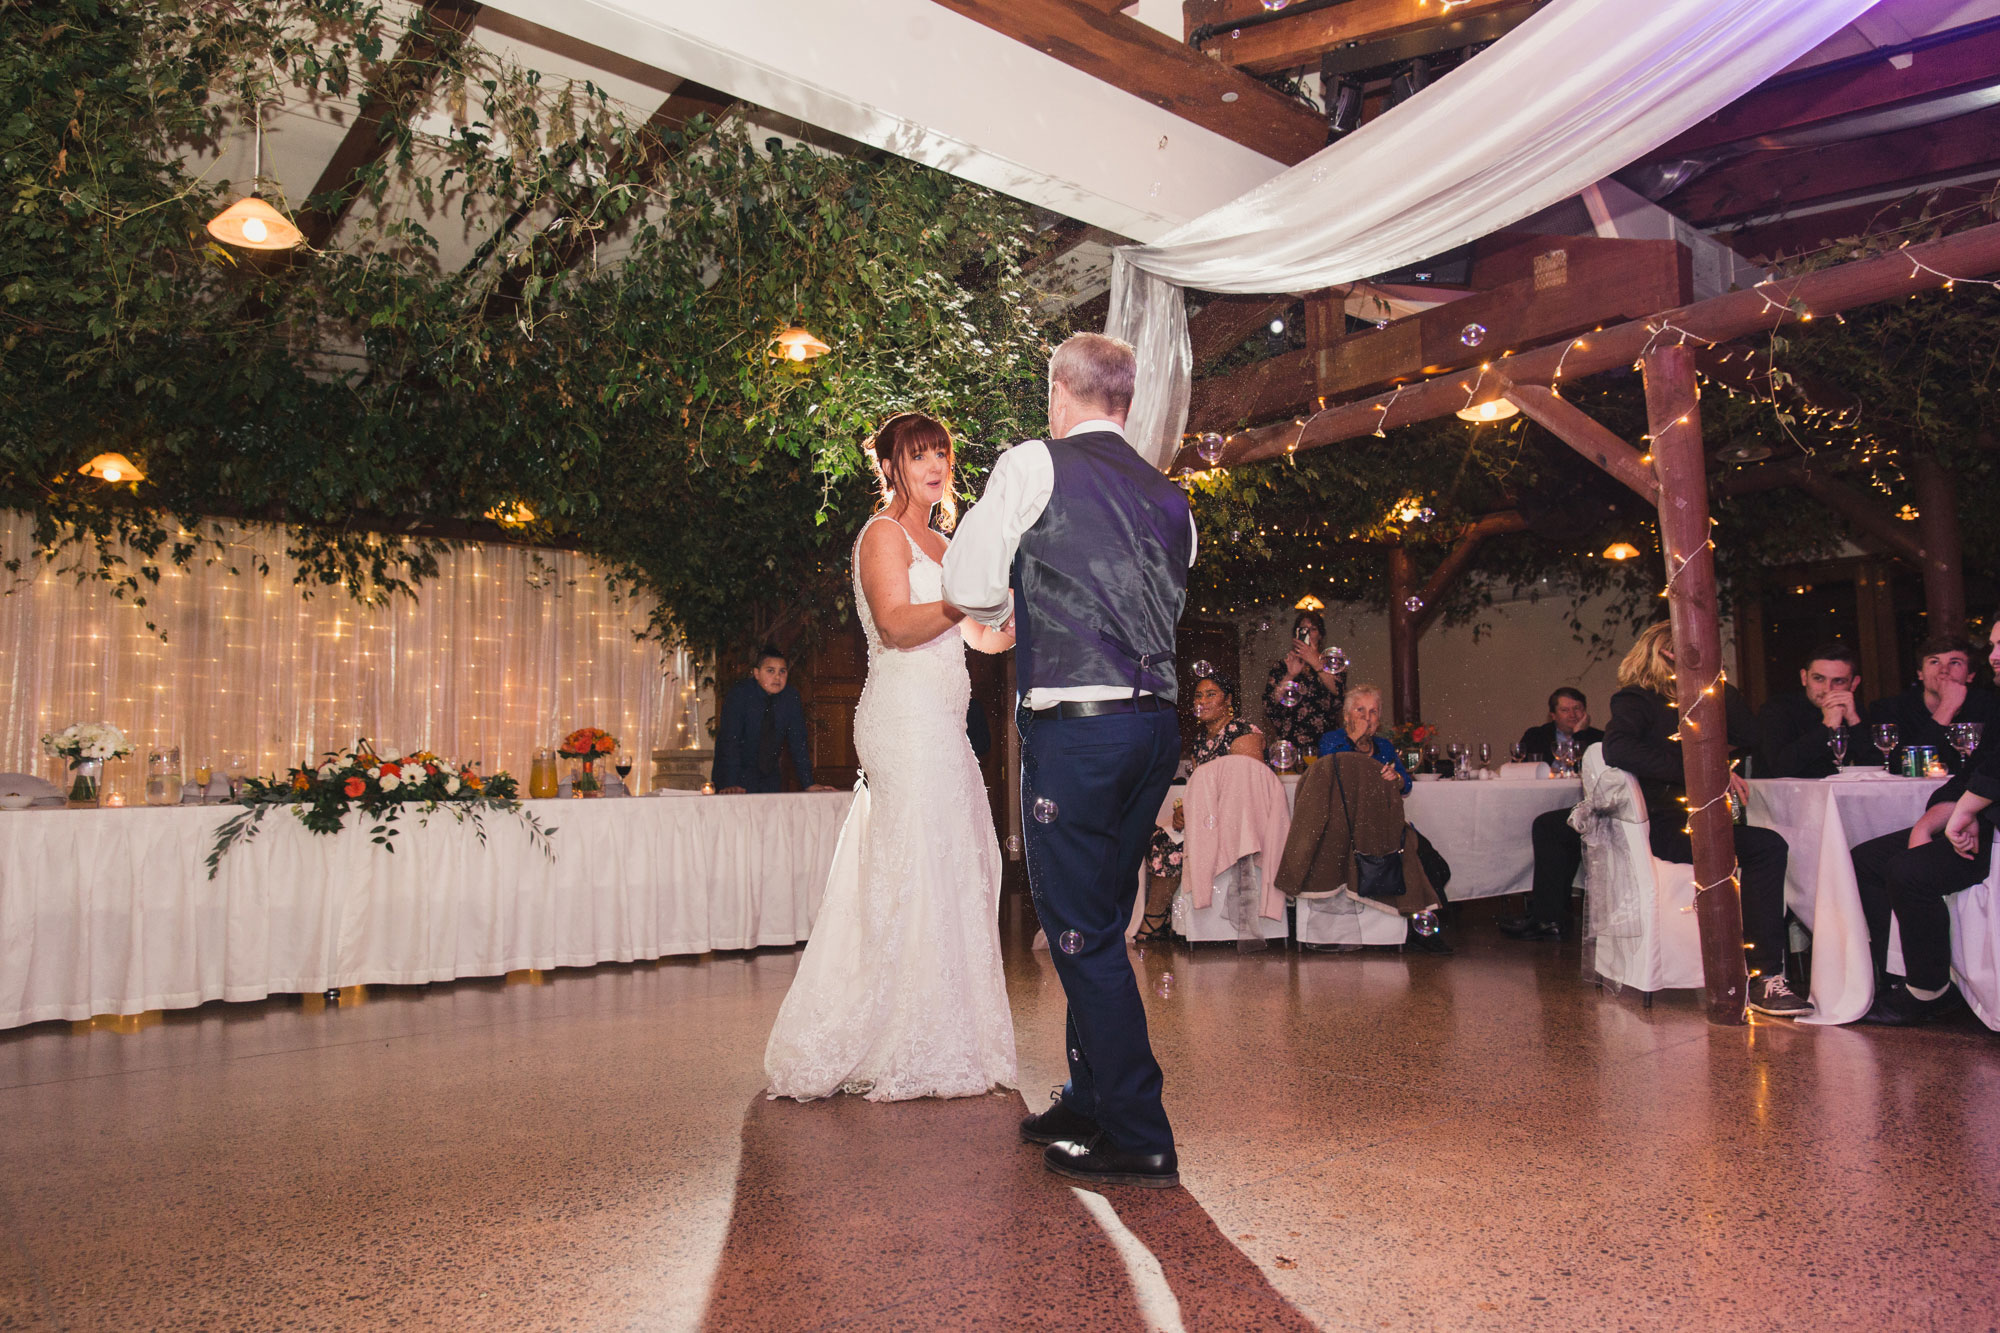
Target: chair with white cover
(1237,819)
(1639,924)
(1975,946)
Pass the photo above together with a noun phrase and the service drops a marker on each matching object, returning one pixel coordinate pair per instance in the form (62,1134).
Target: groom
(1095,545)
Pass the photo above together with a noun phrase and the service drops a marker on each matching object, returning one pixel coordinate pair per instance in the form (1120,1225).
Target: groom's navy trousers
(1107,775)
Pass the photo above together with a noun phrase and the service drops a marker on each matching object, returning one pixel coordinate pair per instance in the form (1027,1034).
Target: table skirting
(1481,829)
(112,911)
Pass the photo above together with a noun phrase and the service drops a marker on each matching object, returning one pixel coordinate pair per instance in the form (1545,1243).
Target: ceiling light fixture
(250,223)
(796,344)
(112,468)
(1494,409)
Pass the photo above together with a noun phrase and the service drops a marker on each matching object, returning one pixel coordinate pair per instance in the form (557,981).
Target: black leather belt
(1145,703)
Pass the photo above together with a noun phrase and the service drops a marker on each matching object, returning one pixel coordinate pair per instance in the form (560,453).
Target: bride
(899,993)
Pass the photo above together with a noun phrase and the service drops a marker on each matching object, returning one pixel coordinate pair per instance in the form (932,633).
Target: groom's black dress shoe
(1098,1161)
(1056,1124)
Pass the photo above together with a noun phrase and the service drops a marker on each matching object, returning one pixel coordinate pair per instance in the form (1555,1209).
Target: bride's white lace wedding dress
(900,992)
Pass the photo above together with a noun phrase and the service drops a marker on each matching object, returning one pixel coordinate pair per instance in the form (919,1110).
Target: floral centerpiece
(86,745)
(382,783)
(1410,738)
(589,744)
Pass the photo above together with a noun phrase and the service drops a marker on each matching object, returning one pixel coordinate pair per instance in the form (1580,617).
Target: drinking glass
(622,761)
(1565,755)
(1518,752)
(1885,740)
(237,766)
(1457,752)
(1485,754)
(1430,758)
(1838,741)
(1964,738)
(204,773)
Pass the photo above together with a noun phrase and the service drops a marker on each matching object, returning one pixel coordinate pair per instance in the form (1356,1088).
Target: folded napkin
(1514,772)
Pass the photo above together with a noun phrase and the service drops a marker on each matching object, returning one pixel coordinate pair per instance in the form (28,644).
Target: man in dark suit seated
(762,716)
(1558,847)
(1569,715)
(1797,730)
(1944,694)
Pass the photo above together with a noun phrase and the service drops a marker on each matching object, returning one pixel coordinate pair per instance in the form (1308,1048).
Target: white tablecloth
(112,911)
(1821,821)
(1482,829)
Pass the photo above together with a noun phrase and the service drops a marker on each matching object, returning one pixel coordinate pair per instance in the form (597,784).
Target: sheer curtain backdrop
(507,649)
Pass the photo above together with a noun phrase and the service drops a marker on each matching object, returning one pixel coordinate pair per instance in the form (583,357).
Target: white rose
(390,753)
(374,772)
(327,771)
(390,782)
(451,786)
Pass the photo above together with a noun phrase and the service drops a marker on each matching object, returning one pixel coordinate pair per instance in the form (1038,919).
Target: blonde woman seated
(1218,731)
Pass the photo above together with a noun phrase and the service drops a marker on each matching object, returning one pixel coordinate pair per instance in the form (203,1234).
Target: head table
(112,911)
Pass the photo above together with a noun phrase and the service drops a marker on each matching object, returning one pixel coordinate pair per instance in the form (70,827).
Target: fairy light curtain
(504,651)
(1570,96)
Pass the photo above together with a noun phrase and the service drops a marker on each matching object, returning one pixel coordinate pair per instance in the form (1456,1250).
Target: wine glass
(1457,752)
(1431,758)
(204,773)
(236,768)
(1518,752)
(1965,737)
(1838,742)
(1885,740)
(1565,754)
(1485,754)
(622,763)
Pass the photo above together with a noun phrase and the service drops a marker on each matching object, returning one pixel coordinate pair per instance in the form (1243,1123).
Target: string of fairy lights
(506,649)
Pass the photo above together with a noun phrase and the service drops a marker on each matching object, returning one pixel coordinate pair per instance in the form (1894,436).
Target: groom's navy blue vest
(1100,579)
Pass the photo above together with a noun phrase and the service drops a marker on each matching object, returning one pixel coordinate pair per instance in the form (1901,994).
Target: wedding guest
(1360,715)
(1558,847)
(1317,709)
(1798,729)
(1569,715)
(1642,740)
(1218,731)
(1944,694)
(1906,876)
(761,717)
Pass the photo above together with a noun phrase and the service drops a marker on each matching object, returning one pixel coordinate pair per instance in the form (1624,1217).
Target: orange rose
(355,786)
(396,769)
(300,782)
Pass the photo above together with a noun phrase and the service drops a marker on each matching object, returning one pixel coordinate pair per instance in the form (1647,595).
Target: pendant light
(1621,551)
(112,468)
(1494,409)
(250,223)
(798,344)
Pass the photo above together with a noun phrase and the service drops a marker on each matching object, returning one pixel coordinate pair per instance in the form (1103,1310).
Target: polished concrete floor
(1368,1141)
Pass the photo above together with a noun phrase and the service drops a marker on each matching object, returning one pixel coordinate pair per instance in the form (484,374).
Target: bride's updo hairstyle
(900,439)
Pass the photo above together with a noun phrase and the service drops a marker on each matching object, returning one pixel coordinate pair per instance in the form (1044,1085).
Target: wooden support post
(1405,705)
(1674,414)
(1944,557)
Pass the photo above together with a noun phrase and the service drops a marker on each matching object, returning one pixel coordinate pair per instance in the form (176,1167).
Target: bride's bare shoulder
(882,536)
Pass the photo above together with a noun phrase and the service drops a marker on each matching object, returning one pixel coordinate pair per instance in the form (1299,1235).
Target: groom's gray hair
(1097,370)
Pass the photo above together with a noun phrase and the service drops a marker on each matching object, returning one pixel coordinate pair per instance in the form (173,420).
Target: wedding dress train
(900,991)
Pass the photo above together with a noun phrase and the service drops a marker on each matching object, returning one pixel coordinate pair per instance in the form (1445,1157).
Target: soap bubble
(1045,810)
(1284,755)
(1069,941)
(1289,694)
(1209,446)
(1013,844)
(1334,660)
(1202,669)
(1413,604)
(1472,335)
(1425,923)
(1275,5)
(1166,987)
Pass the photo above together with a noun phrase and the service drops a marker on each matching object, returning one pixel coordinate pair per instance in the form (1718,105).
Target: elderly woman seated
(1360,714)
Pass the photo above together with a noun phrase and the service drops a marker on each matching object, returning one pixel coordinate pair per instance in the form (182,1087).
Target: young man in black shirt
(1944,694)
(1797,730)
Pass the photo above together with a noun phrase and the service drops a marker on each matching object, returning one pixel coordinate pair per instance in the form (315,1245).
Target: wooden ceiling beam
(1293,40)
(387,102)
(1764,181)
(1121,51)
(1225,322)
(1953,66)
(1569,286)
(1767,306)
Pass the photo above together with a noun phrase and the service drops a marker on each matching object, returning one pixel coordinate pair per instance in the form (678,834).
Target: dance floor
(1367,1140)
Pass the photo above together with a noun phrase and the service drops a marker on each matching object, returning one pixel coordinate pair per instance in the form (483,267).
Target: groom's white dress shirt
(980,563)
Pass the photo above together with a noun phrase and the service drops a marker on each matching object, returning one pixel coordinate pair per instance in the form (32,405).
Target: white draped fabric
(1570,96)
(504,651)
(112,911)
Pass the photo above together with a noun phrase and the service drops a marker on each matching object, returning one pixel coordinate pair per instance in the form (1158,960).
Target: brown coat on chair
(1326,834)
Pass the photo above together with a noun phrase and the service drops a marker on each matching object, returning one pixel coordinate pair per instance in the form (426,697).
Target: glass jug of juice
(542,775)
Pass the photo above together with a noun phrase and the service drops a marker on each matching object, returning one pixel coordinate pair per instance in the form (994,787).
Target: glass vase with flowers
(588,745)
